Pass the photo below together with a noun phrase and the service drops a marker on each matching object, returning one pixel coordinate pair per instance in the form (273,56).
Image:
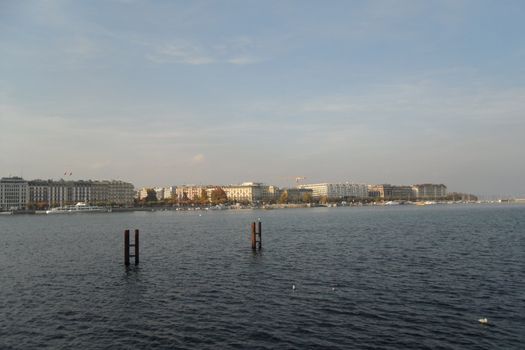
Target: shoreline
(265,207)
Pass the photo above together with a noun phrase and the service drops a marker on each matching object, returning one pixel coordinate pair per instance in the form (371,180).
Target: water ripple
(404,278)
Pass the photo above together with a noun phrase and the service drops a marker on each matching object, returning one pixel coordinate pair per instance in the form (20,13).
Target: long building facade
(430,191)
(413,192)
(251,192)
(337,190)
(18,194)
(190,192)
(392,192)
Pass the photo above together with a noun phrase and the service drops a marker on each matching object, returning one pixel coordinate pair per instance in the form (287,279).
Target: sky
(221,92)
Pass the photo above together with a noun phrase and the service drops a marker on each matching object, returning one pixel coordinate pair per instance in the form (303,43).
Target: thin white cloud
(100,165)
(198,159)
(187,54)
(242,60)
(238,52)
(82,48)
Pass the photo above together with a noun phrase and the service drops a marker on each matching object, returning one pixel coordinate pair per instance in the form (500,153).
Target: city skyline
(66,180)
(166,93)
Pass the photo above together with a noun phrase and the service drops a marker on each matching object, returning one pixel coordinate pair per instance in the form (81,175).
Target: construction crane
(299,178)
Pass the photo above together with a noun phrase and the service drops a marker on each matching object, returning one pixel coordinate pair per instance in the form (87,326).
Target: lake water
(404,277)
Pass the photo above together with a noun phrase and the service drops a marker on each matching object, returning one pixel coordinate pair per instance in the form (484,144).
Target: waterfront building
(39,193)
(430,191)
(337,190)
(401,192)
(170,192)
(251,192)
(69,192)
(49,193)
(392,192)
(191,192)
(376,191)
(163,193)
(14,193)
(118,192)
(159,193)
(143,193)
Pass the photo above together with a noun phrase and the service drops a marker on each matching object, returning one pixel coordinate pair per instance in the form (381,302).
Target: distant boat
(6,213)
(77,208)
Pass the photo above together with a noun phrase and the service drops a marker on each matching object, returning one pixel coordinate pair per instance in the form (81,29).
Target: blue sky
(170,92)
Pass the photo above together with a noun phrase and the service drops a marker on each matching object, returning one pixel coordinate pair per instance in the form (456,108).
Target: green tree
(196,199)
(284,198)
(151,195)
(218,196)
(172,201)
(307,198)
(204,197)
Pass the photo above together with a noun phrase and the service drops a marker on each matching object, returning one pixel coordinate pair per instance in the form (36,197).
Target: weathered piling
(127,245)
(256,233)
(136,246)
(260,234)
(254,237)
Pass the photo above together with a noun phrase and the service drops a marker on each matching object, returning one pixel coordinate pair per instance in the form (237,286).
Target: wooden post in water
(254,238)
(259,224)
(256,231)
(126,247)
(136,247)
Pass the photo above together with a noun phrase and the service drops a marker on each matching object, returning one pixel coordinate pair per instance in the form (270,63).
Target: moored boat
(77,208)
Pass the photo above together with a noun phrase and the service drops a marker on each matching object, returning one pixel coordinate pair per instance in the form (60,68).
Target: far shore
(154,208)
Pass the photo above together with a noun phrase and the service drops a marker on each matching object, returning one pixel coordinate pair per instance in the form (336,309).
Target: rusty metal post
(254,238)
(126,247)
(259,224)
(136,246)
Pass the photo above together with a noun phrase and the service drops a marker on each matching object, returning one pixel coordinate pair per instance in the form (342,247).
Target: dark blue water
(404,278)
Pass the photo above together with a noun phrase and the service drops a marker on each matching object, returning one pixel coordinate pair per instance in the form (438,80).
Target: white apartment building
(159,192)
(337,190)
(251,192)
(14,193)
(165,192)
(191,192)
(170,192)
(143,193)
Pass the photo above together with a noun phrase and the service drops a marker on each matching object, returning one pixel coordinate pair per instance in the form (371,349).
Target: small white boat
(77,208)
(6,213)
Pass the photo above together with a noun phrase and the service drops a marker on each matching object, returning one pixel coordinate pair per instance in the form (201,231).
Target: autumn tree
(218,196)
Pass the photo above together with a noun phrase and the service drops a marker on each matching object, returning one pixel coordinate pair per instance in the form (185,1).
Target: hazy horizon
(166,93)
